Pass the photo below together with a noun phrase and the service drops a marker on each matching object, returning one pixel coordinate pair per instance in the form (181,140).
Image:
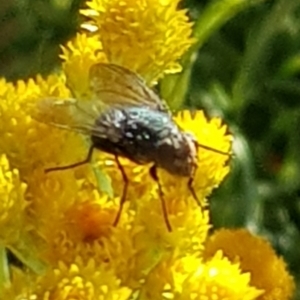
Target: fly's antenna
(191,178)
(229,153)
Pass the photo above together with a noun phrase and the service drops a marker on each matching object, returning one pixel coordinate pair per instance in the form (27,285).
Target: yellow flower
(84,225)
(12,203)
(218,278)
(190,278)
(23,140)
(78,280)
(268,271)
(147,37)
(32,146)
(78,56)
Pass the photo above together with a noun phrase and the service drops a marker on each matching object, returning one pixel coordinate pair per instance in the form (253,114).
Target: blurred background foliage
(247,71)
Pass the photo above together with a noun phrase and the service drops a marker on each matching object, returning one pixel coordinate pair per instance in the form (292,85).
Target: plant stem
(217,13)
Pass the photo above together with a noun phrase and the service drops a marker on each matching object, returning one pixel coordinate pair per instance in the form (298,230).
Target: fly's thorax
(107,132)
(129,132)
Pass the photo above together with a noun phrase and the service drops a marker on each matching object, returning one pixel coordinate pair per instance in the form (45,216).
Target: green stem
(174,87)
(25,250)
(257,52)
(103,180)
(4,270)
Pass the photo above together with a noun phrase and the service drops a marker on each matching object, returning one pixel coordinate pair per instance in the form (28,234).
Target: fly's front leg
(124,193)
(71,166)
(153,173)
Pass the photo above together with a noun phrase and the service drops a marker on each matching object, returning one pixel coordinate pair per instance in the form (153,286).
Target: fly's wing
(68,114)
(116,86)
(112,86)
(76,116)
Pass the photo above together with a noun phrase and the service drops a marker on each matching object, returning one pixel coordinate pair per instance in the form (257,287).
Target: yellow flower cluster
(59,224)
(268,271)
(153,34)
(12,202)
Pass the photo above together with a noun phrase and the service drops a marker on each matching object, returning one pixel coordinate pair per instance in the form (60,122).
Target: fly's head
(187,155)
(178,153)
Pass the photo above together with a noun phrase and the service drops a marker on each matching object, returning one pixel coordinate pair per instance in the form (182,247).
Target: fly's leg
(71,166)
(153,173)
(191,188)
(124,193)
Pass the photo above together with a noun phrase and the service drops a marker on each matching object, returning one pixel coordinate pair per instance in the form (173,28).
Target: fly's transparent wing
(116,86)
(112,86)
(76,116)
(68,114)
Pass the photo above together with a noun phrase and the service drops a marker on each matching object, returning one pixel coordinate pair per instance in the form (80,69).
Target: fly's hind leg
(153,173)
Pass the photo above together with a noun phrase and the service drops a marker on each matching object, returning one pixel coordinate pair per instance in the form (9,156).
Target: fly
(127,119)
